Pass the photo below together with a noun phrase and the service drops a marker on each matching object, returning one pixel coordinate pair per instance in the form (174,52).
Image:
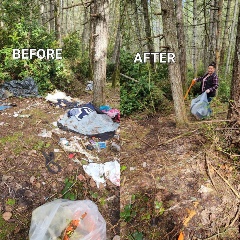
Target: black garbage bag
(24,88)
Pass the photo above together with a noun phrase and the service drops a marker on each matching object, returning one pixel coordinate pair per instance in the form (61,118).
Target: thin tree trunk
(231,38)
(148,31)
(52,15)
(206,38)
(212,37)
(85,31)
(218,33)
(57,21)
(181,43)
(136,24)
(170,33)
(224,42)
(234,107)
(194,43)
(99,22)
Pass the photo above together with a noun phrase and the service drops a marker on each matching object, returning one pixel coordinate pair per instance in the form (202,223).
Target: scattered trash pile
(24,88)
(65,219)
(97,131)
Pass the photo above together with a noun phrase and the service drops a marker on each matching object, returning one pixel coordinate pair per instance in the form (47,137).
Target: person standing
(209,82)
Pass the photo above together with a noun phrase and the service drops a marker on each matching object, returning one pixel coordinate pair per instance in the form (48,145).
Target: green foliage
(66,192)
(136,236)
(128,213)
(150,91)
(10,201)
(71,46)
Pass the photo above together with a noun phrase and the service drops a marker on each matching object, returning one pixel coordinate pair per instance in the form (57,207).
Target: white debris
(204,189)
(45,134)
(109,170)
(57,95)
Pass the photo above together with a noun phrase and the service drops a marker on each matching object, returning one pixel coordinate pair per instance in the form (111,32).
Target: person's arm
(199,79)
(215,84)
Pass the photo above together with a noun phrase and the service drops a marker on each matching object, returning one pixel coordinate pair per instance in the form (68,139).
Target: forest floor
(178,179)
(26,183)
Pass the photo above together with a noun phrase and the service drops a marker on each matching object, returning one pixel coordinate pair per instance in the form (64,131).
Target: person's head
(211,68)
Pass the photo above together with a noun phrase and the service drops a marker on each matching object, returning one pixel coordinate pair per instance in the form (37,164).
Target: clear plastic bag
(200,106)
(63,219)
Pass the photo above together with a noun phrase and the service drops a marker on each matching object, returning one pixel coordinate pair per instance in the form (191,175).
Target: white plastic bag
(51,220)
(200,106)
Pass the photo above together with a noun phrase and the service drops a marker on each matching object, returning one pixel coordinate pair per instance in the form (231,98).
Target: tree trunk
(136,24)
(148,31)
(218,33)
(194,43)
(57,21)
(85,31)
(181,43)
(212,32)
(206,38)
(51,7)
(170,33)
(231,37)
(99,22)
(224,42)
(234,107)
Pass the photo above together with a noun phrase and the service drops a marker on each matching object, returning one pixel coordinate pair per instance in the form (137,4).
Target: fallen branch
(129,77)
(212,121)
(226,181)
(179,136)
(209,172)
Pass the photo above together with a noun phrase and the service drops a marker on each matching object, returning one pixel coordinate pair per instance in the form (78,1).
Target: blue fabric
(81,111)
(4,107)
(105,108)
(91,124)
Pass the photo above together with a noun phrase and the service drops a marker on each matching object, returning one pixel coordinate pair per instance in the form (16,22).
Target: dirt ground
(25,182)
(178,180)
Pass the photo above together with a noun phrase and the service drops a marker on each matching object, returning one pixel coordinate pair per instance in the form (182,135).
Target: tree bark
(234,106)
(224,42)
(147,28)
(137,25)
(231,37)
(194,43)
(181,43)
(170,33)
(99,22)
(57,21)
(218,33)
(51,7)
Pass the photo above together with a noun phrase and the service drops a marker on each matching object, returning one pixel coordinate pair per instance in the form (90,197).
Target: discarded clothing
(24,88)
(111,112)
(98,125)
(83,110)
(56,95)
(200,106)
(63,103)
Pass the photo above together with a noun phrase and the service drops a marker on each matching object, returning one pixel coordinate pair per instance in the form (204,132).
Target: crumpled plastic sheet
(45,134)
(200,106)
(25,88)
(91,124)
(55,95)
(100,171)
(50,220)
